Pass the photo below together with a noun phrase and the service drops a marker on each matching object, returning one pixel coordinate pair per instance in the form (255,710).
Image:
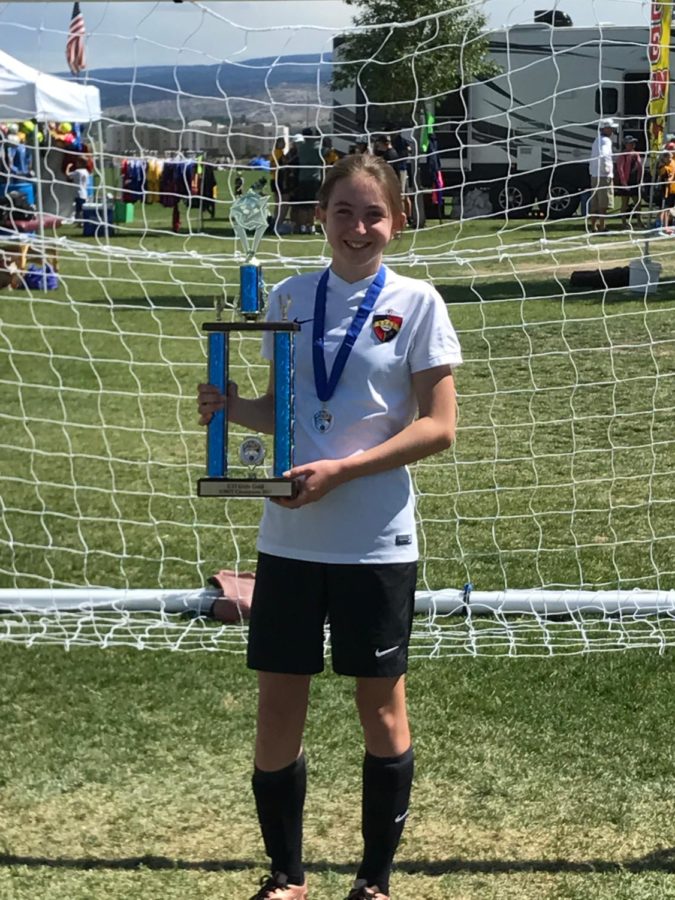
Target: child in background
(628,167)
(328,152)
(667,179)
(374,392)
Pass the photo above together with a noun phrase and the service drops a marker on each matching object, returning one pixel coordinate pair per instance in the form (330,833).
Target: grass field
(563,466)
(125,774)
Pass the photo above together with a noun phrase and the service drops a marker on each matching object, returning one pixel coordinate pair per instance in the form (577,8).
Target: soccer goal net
(549,527)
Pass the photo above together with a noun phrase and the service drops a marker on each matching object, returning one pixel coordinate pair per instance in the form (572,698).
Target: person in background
(402,165)
(666,175)
(601,170)
(628,166)
(238,184)
(328,152)
(362,145)
(77,167)
(19,157)
(383,148)
(310,174)
(276,157)
(4,160)
(288,173)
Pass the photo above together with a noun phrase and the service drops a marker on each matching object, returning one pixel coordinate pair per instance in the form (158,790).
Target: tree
(412,51)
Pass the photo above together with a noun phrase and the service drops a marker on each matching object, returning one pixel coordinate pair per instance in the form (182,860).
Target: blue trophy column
(284,402)
(218,366)
(250,290)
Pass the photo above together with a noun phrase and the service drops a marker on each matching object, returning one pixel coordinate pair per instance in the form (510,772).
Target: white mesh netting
(562,474)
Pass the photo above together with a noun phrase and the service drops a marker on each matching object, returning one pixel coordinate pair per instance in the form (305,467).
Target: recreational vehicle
(525,134)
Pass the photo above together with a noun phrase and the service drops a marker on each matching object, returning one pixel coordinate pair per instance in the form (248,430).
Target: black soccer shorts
(369,608)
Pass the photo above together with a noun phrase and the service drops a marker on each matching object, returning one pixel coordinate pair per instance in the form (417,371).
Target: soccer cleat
(276,887)
(362,891)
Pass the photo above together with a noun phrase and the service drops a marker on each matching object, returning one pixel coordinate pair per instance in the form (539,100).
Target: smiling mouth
(357,245)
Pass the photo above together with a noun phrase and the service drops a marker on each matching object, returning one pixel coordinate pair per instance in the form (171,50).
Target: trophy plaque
(249,220)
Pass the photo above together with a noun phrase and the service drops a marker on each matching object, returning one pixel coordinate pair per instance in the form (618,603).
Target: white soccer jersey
(370,519)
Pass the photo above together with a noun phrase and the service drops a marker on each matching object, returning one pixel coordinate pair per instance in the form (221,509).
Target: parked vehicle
(525,134)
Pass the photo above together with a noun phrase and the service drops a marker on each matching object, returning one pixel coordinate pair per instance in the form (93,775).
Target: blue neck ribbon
(325,386)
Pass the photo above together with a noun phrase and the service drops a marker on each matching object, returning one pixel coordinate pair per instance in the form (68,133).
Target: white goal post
(549,527)
(448,622)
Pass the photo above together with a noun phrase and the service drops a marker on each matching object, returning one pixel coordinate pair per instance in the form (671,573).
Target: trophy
(249,220)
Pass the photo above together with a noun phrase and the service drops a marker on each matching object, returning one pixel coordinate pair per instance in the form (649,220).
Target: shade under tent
(27,93)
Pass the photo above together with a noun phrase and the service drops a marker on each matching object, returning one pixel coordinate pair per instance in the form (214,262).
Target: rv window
(606,101)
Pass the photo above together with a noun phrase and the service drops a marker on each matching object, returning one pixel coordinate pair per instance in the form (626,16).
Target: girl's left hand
(314,481)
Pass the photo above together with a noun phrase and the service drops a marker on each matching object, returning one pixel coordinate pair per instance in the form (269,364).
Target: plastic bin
(644,276)
(94,223)
(25,187)
(124,212)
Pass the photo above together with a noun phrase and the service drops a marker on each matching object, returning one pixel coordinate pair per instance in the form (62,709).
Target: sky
(127,33)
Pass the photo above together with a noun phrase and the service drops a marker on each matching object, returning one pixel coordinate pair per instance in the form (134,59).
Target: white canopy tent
(26,93)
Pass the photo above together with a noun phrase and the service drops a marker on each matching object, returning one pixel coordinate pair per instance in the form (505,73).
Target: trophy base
(246,487)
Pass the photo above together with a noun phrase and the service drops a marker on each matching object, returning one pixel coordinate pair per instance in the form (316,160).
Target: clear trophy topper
(249,215)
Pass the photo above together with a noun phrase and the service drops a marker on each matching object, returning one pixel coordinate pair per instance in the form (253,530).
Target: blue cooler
(27,189)
(94,225)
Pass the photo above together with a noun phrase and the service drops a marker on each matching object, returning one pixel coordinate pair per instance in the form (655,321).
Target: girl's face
(358,224)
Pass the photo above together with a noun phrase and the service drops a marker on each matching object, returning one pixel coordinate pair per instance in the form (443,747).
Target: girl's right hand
(210,400)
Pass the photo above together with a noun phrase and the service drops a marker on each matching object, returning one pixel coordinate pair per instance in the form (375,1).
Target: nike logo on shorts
(379,653)
(401,817)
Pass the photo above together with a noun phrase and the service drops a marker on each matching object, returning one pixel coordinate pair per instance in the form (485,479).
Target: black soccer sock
(279,799)
(386,792)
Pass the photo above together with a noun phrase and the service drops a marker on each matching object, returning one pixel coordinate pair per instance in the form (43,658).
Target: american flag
(75,43)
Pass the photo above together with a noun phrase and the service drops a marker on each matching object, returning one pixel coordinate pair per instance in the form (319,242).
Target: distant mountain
(303,77)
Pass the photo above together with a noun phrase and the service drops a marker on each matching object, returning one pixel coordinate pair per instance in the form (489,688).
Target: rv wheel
(512,199)
(562,201)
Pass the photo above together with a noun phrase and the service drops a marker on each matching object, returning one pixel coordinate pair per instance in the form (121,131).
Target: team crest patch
(387,327)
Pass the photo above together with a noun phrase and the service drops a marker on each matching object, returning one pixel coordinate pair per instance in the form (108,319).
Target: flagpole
(75,57)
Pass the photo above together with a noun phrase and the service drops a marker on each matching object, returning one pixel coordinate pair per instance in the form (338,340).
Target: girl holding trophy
(374,392)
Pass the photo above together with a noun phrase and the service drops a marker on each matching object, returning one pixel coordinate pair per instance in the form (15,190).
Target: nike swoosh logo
(401,817)
(379,653)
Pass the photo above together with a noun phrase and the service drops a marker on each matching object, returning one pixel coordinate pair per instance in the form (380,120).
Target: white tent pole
(38,200)
(106,226)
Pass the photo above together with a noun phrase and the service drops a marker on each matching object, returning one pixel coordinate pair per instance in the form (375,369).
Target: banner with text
(659,74)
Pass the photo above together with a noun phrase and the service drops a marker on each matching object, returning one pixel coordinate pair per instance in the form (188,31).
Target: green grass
(560,476)
(126,775)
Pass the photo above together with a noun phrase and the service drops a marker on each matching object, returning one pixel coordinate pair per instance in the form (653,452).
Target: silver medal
(323,420)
